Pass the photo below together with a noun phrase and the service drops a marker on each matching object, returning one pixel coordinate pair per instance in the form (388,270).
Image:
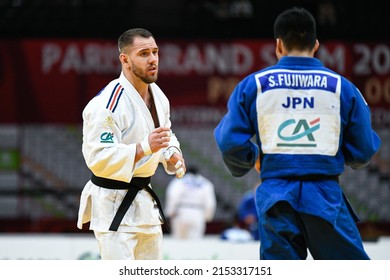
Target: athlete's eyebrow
(147,49)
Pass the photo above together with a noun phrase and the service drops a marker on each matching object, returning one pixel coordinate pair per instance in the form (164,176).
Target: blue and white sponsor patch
(298,112)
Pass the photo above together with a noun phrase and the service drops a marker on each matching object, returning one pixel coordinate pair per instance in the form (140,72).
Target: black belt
(136,184)
(312,177)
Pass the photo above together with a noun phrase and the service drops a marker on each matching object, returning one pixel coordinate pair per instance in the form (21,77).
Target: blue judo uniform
(247,207)
(307,122)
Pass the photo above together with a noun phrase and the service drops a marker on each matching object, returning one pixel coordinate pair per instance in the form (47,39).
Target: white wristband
(178,164)
(146,147)
(180,173)
(168,154)
(170,151)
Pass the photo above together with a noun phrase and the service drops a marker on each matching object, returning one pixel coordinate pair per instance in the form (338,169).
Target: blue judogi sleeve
(234,132)
(359,142)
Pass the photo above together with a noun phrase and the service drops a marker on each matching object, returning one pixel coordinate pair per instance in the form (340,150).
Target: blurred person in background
(190,204)
(309,122)
(247,213)
(235,232)
(126,135)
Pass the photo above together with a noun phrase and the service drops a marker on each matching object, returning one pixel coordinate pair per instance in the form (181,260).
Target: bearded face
(148,75)
(140,60)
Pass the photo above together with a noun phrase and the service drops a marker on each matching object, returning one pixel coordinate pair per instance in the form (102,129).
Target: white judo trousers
(129,245)
(113,123)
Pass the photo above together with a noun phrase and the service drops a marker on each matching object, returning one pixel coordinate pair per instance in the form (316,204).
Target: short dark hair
(296,27)
(128,36)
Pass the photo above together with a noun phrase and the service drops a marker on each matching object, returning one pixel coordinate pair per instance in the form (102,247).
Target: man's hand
(175,162)
(159,138)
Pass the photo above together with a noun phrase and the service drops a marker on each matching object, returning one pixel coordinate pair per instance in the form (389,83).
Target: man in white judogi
(126,134)
(190,204)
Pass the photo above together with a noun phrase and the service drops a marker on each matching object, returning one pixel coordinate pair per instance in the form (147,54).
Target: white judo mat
(84,246)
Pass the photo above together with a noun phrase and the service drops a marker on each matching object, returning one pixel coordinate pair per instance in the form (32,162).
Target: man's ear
(316,46)
(124,59)
(279,48)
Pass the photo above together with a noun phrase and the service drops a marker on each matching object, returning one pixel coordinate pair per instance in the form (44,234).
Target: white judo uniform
(190,203)
(113,122)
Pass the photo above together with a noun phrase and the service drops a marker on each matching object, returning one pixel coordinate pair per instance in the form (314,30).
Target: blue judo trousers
(288,234)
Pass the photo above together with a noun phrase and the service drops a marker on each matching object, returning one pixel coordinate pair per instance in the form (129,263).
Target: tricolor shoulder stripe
(114,98)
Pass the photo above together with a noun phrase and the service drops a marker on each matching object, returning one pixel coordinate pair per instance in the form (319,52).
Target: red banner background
(50,81)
